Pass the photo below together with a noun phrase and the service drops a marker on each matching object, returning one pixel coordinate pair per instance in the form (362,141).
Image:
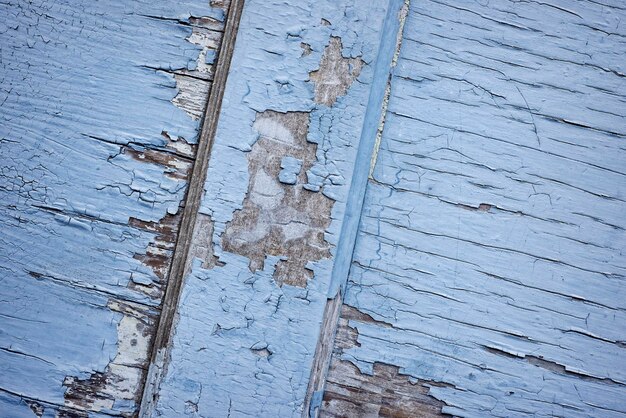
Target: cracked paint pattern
(254,338)
(94,158)
(492,243)
(383,393)
(194,84)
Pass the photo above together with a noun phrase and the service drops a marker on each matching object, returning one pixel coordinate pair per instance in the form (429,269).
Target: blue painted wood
(490,247)
(88,171)
(243,344)
(492,241)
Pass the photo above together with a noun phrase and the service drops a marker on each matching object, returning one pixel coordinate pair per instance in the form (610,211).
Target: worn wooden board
(99,119)
(303,79)
(490,256)
(383,393)
(482,264)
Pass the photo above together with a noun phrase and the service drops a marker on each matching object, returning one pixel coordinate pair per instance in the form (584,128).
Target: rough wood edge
(322,357)
(159,354)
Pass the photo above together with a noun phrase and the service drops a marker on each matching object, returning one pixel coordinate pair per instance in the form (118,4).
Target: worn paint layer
(97,138)
(335,74)
(490,254)
(280,217)
(383,393)
(275,196)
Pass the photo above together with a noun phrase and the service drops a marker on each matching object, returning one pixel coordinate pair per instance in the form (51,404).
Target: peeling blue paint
(227,312)
(492,240)
(290,168)
(86,90)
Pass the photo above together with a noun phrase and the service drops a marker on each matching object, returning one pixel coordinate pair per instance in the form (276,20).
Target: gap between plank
(160,347)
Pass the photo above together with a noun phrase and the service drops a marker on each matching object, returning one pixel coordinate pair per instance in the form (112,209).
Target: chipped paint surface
(96,146)
(490,254)
(194,84)
(278,219)
(468,206)
(335,74)
(383,393)
(117,384)
(252,321)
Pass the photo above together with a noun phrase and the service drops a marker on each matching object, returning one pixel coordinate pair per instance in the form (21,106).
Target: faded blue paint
(82,87)
(52,331)
(289,169)
(253,339)
(492,240)
(354,206)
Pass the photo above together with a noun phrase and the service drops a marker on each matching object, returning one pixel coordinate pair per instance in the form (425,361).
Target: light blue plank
(244,345)
(492,239)
(85,94)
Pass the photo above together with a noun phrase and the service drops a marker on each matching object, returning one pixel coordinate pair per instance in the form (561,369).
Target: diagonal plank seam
(368,150)
(162,336)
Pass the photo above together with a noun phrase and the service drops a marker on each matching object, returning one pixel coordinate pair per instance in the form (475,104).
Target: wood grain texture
(98,137)
(492,241)
(192,222)
(383,393)
(275,195)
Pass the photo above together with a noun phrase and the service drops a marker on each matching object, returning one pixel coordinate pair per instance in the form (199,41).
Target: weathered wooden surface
(302,80)
(490,257)
(485,275)
(99,110)
(192,223)
(383,393)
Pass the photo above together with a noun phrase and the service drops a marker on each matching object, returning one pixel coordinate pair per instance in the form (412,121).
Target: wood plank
(99,129)
(303,84)
(490,251)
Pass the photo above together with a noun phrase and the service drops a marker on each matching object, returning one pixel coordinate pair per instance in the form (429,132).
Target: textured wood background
(490,263)
(481,262)
(100,107)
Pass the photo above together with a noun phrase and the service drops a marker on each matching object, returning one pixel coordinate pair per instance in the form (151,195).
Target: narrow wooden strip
(323,354)
(192,204)
(368,149)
